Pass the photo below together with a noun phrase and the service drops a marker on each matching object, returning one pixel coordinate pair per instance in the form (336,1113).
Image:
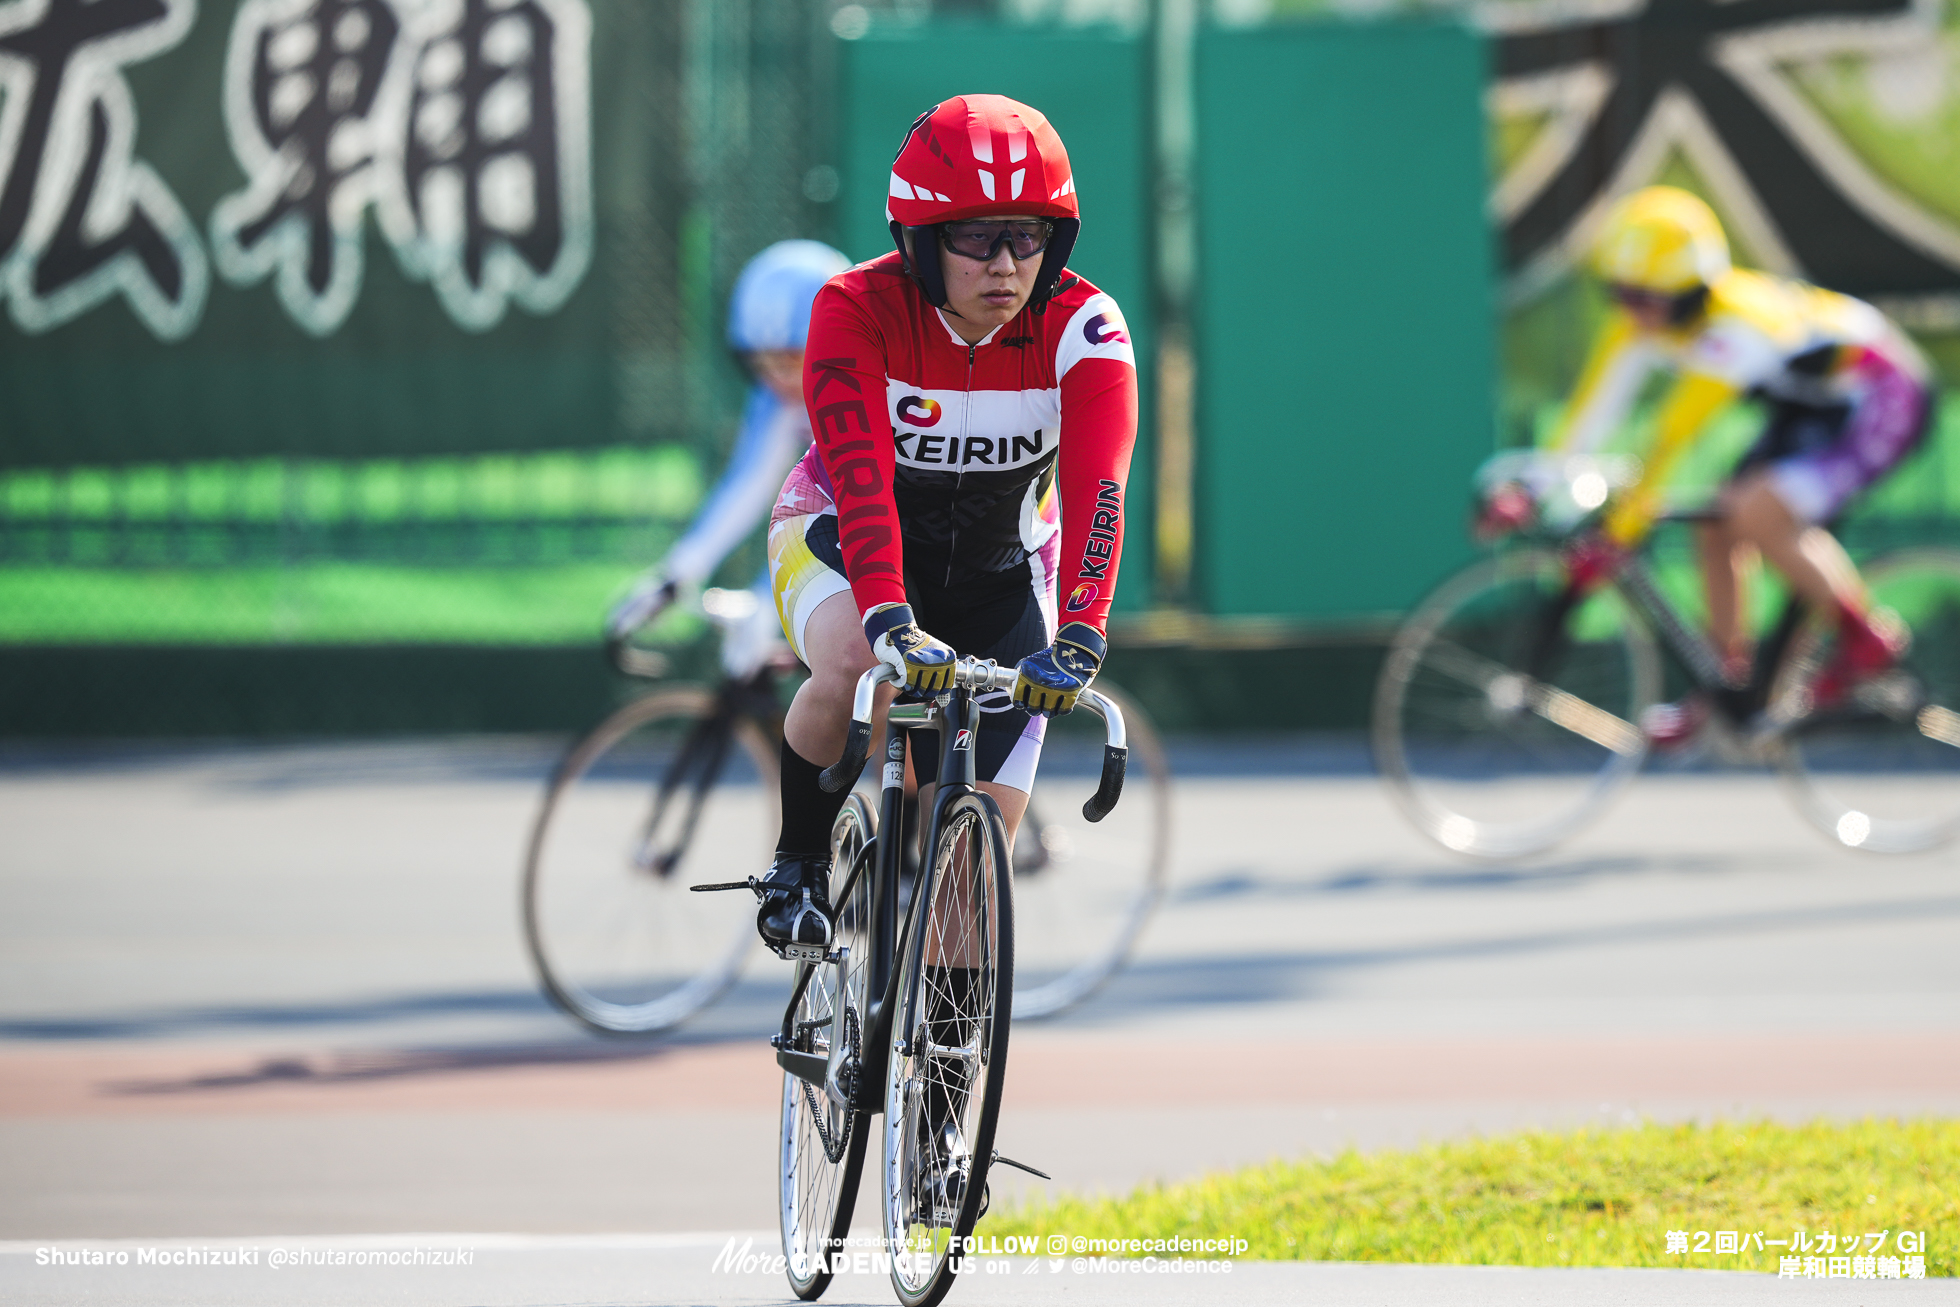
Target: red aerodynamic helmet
(973,156)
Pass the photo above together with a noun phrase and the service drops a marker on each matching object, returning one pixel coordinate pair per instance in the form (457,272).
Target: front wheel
(1506,717)
(1882,772)
(1088,889)
(670,791)
(822,1140)
(943,1079)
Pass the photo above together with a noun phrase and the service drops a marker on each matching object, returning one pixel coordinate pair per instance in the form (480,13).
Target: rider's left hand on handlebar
(649,598)
(1048,682)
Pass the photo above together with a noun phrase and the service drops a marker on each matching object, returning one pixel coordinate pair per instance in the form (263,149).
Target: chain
(833,1150)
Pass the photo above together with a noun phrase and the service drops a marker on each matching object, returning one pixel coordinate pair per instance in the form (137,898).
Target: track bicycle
(1506,715)
(906,1013)
(678,787)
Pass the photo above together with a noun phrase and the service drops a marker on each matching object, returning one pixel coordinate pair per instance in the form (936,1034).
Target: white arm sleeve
(1610,401)
(772,438)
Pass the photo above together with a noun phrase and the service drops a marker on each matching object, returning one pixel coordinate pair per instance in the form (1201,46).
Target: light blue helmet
(770,308)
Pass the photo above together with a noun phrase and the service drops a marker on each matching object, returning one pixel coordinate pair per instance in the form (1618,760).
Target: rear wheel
(1087,889)
(666,793)
(1882,772)
(944,1076)
(1503,727)
(823,1140)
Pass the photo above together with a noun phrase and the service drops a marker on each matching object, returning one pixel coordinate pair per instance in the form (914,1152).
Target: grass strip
(1593,1197)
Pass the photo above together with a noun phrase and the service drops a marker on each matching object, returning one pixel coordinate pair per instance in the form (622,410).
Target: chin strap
(1066,282)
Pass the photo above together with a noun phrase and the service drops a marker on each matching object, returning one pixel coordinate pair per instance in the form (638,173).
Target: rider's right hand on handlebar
(649,598)
(896,641)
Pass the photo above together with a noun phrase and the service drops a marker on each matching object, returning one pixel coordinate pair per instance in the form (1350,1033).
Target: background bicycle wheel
(1466,757)
(620,943)
(1086,890)
(1886,777)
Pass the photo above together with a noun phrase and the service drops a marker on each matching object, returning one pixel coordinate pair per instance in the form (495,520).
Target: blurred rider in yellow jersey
(1848,396)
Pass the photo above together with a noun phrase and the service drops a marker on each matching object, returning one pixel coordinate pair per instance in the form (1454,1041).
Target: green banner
(359,228)
(1346,314)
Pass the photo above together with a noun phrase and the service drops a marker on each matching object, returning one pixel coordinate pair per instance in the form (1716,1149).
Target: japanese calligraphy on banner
(1820,129)
(462,123)
(82,218)
(372,229)
(462,126)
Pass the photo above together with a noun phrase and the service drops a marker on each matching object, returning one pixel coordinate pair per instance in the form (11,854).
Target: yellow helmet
(1664,240)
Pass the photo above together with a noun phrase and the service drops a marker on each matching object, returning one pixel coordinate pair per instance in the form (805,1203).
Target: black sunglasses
(982,240)
(1680,308)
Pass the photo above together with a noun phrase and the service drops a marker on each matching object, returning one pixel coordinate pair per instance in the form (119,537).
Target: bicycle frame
(882,857)
(1738,700)
(702,755)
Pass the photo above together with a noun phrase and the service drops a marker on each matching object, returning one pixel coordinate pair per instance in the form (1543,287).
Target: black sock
(808,812)
(950,995)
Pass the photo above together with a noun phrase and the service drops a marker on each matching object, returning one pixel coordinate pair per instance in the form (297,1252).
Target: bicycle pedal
(748,884)
(802,953)
(1020,1166)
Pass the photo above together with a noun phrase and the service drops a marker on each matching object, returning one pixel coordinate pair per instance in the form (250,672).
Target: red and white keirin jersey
(949,460)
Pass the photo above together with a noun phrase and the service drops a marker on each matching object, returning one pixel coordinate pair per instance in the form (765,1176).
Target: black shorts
(1002,615)
(998,616)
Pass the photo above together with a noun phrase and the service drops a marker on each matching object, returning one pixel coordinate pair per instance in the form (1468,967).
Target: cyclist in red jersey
(973,406)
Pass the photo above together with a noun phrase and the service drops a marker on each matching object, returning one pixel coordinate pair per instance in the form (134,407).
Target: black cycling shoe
(795,918)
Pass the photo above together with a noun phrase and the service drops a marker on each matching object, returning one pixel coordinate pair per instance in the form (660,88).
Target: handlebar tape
(857,748)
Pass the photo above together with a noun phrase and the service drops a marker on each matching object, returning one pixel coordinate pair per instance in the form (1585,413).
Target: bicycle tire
(1088,889)
(1469,741)
(957,983)
(622,947)
(822,1146)
(1879,774)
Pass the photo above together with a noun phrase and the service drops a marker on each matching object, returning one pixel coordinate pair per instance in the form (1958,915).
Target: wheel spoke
(1937,723)
(942,1091)
(822,1141)
(1463,665)
(1556,706)
(1585,719)
(1882,772)
(1491,745)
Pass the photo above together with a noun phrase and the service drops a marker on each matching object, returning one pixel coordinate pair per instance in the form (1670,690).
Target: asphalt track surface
(277,994)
